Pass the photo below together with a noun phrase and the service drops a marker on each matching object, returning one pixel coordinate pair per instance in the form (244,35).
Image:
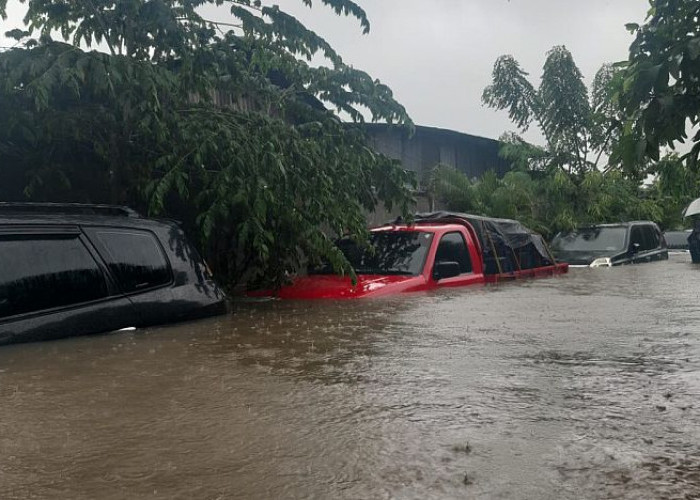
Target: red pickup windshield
(390,252)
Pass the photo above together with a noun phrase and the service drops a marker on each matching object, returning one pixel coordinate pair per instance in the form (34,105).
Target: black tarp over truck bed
(506,245)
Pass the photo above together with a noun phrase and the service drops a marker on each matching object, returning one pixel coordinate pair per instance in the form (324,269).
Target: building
(430,146)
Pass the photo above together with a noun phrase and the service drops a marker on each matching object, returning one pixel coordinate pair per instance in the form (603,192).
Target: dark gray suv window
(651,237)
(43,272)
(637,237)
(134,257)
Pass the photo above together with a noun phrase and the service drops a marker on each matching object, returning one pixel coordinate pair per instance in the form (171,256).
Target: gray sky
(437,55)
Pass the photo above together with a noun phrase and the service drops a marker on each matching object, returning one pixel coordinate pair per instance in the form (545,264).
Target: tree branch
(105,32)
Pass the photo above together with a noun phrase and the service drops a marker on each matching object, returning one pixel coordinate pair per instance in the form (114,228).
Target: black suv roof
(622,223)
(74,213)
(66,208)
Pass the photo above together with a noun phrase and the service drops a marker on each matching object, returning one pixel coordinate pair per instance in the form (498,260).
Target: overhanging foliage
(220,124)
(661,92)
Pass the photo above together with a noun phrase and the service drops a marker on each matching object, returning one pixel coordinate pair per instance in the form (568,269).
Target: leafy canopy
(550,202)
(577,129)
(632,110)
(225,125)
(661,92)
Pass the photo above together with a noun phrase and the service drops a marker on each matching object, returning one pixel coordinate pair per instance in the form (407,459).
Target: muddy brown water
(581,386)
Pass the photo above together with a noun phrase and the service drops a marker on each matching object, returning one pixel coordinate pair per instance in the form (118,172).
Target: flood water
(580,386)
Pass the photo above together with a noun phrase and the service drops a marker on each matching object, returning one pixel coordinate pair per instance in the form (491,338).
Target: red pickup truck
(440,249)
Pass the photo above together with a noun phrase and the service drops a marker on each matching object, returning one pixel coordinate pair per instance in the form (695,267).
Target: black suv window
(44,271)
(453,248)
(636,237)
(134,257)
(651,237)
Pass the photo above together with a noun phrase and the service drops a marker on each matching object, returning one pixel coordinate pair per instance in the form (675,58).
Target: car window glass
(636,237)
(44,272)
(646,243)
(591,239)
(651,237)
(389,252)
(452,248)
(135,259)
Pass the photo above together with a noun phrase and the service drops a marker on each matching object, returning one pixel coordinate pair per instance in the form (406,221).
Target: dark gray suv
(611,244)
(70,270)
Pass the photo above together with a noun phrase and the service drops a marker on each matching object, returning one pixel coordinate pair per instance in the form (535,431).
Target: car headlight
(604,262)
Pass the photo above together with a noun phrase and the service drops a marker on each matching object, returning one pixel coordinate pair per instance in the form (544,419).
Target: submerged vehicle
(677,241)
(439,249)
(71,269)
(607,245)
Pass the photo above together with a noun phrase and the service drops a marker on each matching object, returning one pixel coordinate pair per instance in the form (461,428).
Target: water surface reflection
(582,386)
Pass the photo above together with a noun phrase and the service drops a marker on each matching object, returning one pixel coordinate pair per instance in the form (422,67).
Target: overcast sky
(437,55)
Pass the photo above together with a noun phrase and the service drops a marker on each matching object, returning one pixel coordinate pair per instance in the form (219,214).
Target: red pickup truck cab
(404,258)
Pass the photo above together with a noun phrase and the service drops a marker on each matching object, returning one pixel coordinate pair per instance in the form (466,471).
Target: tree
(675,185)
(577,129)
(661,92)
(632,110)
(222,124)
(545,201)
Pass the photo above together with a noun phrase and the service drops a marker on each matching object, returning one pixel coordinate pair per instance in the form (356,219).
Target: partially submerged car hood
(582,258)
(328,286)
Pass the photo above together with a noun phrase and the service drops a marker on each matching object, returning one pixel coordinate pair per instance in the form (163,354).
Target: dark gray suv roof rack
(67,208)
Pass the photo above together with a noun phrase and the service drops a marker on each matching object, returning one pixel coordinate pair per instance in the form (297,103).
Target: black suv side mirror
(445,269)
(634,249)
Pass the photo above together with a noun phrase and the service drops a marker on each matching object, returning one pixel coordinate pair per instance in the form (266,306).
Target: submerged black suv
(68,269)
(611,244)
